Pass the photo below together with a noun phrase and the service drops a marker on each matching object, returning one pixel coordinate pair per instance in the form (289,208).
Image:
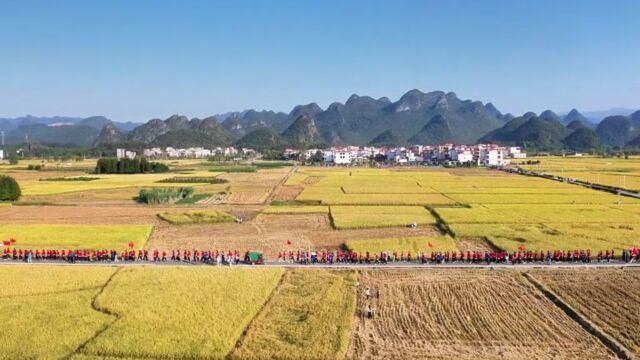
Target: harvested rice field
(610,298)
(463,315)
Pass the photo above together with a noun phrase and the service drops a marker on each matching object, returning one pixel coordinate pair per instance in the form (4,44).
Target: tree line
(129,166)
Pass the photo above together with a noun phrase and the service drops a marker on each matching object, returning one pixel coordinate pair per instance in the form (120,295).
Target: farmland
(413,245)
(609,298)
(85,237)
(617,172)
(308,316)
(159,312)
(451,314)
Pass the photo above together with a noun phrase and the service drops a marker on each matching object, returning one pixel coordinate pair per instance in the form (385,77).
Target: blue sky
(134,60)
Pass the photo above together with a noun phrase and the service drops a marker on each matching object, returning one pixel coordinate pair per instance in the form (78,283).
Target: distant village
(444,154)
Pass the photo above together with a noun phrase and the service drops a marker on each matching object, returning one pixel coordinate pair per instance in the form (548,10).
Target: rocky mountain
(574,115)
(97,122)
(109,134)
(387,138)
(436,131)
(361,118)
(303,133)
(422,118)
(261,139)
(619,130)
(582,139)
(530,131)
(70,135)
(179,131)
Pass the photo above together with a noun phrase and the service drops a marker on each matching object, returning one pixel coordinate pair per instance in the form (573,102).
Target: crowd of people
(192,256)
(322,257)
(442,257)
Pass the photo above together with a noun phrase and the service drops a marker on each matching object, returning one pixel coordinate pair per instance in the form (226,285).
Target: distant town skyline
(133,61)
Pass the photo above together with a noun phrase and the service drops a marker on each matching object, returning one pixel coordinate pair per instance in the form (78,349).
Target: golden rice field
(356,217)
(478,203)
(82,237)
(308,317)
(53,312)
(286,209)
(617,172)
(153,312)
(555,236)
(413,245)
(180,312)
(46,311)
(36,187)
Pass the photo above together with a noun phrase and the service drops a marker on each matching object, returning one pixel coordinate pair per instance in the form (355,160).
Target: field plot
(269,233)
(308,317)
(43,187)
(616,172)
(554,236)
(180,312)
(84,237)
(534,199)
(610,298)
(46,310)
(284,209)
(462,315)
(413,245)
(354,217)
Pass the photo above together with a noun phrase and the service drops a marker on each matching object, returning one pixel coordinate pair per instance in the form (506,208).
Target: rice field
(46,310)
(616,172)
(607,297)
(188,313)
(554,236)
(79,237)
(293,209)
(357,217)
(37,187)
(413,245)
(452,314)
(308,317)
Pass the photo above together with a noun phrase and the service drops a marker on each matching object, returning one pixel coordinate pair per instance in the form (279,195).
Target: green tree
(9,189)
(13,158)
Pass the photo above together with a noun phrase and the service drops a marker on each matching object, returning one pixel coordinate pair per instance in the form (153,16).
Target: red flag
(521,248)
(6,242)
(13,241)
(131,244)
(288,242)
(430,244)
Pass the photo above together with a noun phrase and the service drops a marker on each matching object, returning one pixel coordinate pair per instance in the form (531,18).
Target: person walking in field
(367,292)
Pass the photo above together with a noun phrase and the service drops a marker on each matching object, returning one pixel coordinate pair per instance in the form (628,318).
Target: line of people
(322,257)
(193,256)
(442,257)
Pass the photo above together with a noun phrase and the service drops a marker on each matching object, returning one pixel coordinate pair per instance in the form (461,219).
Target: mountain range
(415,118)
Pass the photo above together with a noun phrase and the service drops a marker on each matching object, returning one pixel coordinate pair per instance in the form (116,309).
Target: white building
(125,154)
(342,158)
(1,154)
(491,157)
(516,153)
(461,156)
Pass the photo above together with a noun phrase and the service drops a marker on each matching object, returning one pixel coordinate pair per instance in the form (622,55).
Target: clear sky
(138,59)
